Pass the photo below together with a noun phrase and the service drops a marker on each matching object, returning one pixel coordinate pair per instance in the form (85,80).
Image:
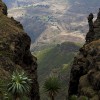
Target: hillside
(15,54)
(85,72)
(56,60)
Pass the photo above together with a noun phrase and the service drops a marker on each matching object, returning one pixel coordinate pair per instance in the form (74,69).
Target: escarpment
(15,51)
(85,72)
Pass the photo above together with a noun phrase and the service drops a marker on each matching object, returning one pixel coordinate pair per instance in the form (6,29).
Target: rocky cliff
(15,51)
(85,72)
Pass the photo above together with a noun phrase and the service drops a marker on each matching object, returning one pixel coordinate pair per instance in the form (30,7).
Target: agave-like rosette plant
(19,85)
(52,86)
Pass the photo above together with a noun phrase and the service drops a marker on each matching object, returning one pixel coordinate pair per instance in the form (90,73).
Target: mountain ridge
(55,21)
(55,18)
(85,72)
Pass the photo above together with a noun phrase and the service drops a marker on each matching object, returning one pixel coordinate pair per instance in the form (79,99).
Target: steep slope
(55,60)
(15,51)
(85,73)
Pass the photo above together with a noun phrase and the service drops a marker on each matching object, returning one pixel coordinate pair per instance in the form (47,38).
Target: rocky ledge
(85,72)
(15,51)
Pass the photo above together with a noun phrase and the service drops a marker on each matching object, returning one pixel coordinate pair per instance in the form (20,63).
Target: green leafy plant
(52,86)
(19,85)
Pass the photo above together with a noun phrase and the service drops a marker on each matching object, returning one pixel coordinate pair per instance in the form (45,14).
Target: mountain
(85,72)
(53,21)
(56,60)
(17,3)
(15,54)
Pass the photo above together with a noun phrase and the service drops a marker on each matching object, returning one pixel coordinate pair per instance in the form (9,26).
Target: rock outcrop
(15,51)
(85,72)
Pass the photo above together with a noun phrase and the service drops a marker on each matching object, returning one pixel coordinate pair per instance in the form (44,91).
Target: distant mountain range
(17,3)
(53,21)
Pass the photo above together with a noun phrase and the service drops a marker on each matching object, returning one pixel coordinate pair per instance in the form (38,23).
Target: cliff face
(85,72)
(15,51)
